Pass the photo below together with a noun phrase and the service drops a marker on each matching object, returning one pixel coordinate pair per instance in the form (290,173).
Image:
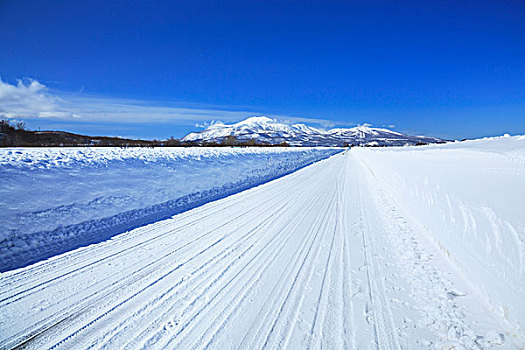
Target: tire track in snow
(316,332)
(13,279)
(296,307)
(125,283)
(299,275)
(275,266)
(252,281)
(302,247)
(384,329)
(265,247)
(281,211)
(347,292)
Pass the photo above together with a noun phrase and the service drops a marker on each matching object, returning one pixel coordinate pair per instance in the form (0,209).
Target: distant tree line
(232,141)
(15,134)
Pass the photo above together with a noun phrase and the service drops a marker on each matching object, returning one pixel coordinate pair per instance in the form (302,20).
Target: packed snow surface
(399,248)
(470,200)
(57,199)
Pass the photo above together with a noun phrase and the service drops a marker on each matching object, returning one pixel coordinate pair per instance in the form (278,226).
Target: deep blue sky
(444,68)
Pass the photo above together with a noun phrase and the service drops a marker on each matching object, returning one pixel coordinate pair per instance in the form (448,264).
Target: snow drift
(468,197)
(55,200)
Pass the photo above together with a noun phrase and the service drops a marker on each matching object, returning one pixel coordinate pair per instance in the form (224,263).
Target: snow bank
(469,199)
(55,200)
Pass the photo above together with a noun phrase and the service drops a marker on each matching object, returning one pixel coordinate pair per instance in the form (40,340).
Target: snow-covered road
(320,258)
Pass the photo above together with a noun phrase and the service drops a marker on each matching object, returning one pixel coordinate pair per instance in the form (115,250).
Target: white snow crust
(57,199)
(469,199)
(384,248)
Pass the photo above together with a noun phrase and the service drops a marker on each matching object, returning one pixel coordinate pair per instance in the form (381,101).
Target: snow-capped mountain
(267,130)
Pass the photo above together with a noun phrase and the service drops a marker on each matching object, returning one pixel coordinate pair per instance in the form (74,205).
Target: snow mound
(468,197)
(58,199)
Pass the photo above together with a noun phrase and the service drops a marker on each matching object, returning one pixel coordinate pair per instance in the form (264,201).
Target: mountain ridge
(267,130)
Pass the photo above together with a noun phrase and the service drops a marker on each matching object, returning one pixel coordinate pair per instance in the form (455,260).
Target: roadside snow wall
(58,199)
(469,198)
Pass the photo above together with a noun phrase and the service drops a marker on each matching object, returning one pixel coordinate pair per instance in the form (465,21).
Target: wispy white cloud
(390,126)
(102,109)
(294,120)
(31,100)
(204,125)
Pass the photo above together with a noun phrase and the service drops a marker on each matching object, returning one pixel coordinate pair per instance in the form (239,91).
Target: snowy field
(387,248)
(54,200)
(469,198)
